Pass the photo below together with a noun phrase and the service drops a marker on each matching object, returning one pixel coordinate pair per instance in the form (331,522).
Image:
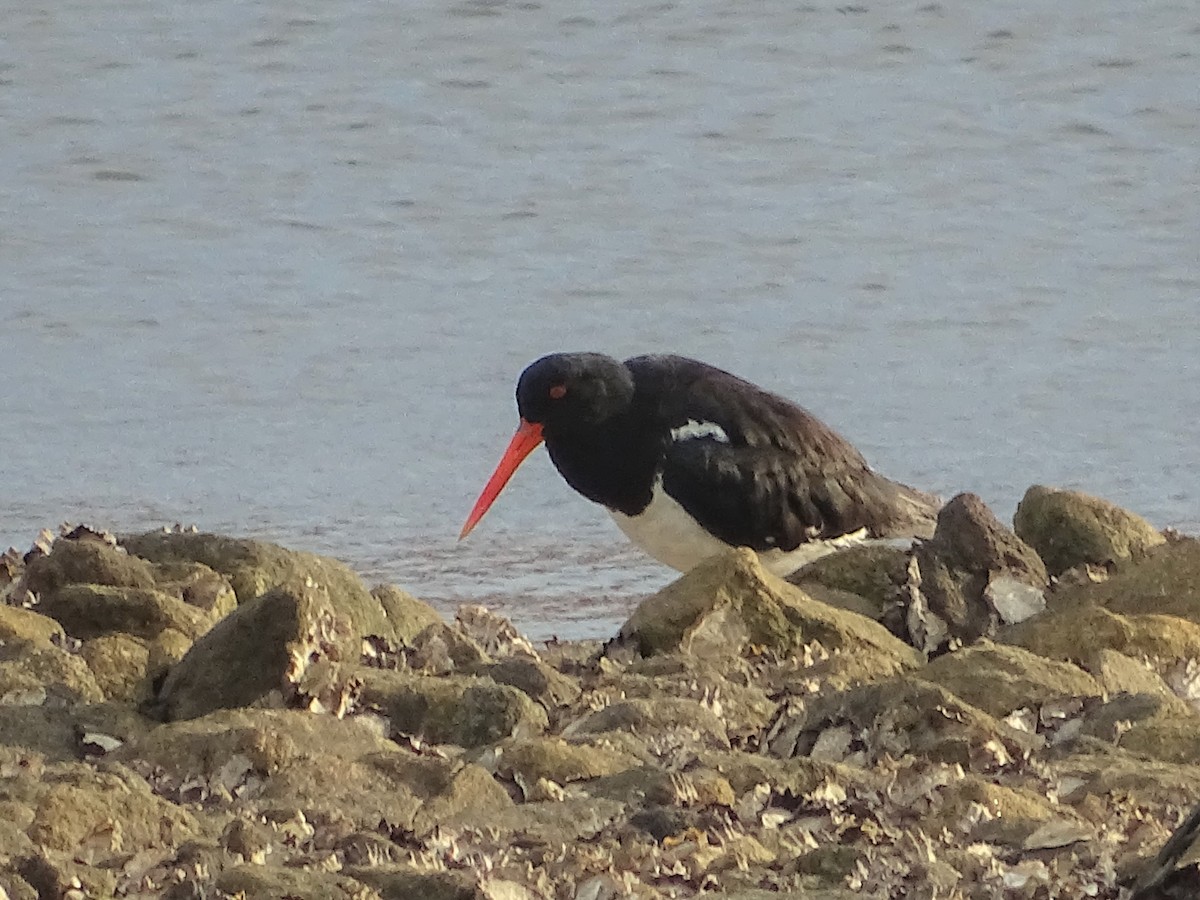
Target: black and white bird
(691,460)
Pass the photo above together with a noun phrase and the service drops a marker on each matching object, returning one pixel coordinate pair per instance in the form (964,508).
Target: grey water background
(272,268)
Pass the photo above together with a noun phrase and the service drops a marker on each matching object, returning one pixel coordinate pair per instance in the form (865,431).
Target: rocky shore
(992,713)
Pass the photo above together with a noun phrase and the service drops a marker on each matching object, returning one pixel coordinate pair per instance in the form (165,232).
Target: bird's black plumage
(752,468)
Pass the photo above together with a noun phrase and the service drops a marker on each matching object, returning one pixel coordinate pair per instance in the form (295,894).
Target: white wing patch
(694,429)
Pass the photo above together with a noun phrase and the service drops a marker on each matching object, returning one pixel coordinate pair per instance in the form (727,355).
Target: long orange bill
(524,442)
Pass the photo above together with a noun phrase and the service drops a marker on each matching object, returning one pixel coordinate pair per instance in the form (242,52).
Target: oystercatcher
(691,460)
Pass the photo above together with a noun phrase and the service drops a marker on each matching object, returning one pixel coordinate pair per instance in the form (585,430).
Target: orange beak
(524,442)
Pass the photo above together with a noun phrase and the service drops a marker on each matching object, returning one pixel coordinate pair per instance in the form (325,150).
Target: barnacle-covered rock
(729,604)
(263,652)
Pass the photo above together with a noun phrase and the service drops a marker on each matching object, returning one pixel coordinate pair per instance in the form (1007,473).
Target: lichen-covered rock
(733,690)
(76,807)
(1000,679)
(970,577)
(401,882)
(279,882)
(1112,719)
(730,603)
(256,567)
(267,647)
(469,712)
(1068,528)
(268,740)
(1076,631)
(47,730)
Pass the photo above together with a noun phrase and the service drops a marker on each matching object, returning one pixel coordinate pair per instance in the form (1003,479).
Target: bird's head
(559,394)
(567,392)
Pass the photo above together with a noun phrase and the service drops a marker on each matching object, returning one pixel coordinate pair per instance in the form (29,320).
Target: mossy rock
(256,567)
(1165,580)
(1069,528)
(86,562)
(91,610)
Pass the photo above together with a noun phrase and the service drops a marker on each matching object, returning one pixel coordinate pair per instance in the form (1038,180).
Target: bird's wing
(757,470)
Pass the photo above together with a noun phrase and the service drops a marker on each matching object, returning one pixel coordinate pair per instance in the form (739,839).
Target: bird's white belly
(666,531)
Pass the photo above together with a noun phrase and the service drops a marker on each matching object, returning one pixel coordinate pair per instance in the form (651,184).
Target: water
(273,268)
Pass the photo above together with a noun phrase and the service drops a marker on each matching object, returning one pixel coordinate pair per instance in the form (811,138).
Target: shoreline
(994,712)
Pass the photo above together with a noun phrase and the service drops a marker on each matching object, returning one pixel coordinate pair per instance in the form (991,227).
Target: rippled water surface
(273,268)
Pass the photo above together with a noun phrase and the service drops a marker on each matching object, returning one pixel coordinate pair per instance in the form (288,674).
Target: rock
(279,882)
(1111,720)
(529,760)
(1069,528)
(866,579)
(1159,788)
(291,759)
(1171,740)
(730,603)
(120,664)
(32,675)
(491,631)
(1117,673)
(440,649)
(402,882)
(1165,580)
(86,562)
(267,740)
(19,625)
(91,610)
(407,616)
(732,691)
(533,677)
(469,712)
(198,586)
(267,646)
(1000,679)
(959,575)
(256,567)
(903,716)
(78,809)
(664,719)
(48,731)
(1076,631)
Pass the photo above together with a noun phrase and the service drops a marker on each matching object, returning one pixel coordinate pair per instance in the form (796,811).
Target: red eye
(558,391)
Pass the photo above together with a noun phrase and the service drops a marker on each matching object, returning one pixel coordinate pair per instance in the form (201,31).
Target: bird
(691,461)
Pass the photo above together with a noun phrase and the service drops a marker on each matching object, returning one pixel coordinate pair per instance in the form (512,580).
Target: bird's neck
(613,463)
